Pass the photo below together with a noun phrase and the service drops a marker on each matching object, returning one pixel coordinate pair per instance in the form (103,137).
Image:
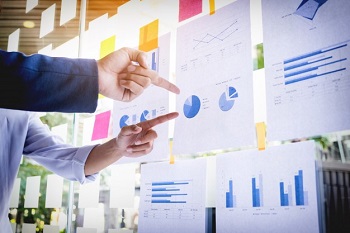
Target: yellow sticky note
(107,46)
(149,36)
(261,135)
(172,157)
(212,6)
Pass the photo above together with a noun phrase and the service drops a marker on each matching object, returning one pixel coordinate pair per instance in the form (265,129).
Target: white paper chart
(307,51)
(153,103)
(268,191)
(172,197)
(214,73)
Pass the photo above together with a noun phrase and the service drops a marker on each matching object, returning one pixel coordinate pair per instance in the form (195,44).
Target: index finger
(158,120)
(163,83)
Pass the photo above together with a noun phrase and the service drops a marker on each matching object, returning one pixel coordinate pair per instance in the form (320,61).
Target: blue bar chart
(169,192)
(257,191)
(315,64)
(230,198)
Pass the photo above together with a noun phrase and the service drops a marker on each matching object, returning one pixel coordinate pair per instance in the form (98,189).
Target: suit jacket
(43,83)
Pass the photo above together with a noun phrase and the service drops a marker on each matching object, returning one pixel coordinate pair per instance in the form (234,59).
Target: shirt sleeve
(50,151)
(46,84)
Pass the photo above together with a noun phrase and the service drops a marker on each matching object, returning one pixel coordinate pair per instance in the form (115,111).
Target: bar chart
(275,187)
(172,197)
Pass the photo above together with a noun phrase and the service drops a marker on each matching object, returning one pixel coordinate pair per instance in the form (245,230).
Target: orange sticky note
(212,6)
(107,46)
(149,36)
(261,135)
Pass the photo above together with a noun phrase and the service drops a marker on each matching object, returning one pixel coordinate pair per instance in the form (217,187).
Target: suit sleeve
(47,84)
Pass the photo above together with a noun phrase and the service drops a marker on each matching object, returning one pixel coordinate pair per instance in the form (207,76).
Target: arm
(132,141)
(42,83)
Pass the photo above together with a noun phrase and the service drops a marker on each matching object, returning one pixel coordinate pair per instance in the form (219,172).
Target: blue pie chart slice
(124,121)
(192,106)
(227,101)
(145,116)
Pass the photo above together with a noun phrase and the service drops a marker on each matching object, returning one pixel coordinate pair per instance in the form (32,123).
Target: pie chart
(192,106)
(145,116)
(227,99)
(124,121)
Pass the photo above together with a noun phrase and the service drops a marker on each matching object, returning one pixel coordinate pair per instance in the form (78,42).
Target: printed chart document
(307,62)
(153,102)
(172,197)
(214,73)
(268,191)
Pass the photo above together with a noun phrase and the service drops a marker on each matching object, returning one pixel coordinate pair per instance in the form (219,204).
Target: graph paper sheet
(172,197)
(307,51)
(268,191)
(214,73)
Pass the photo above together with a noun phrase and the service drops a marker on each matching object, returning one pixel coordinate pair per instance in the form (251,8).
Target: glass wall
(44,202)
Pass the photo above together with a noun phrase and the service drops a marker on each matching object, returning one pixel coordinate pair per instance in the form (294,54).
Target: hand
(122,80)
(132,141)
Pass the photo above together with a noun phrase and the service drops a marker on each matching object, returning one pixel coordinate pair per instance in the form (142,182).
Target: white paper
(32,192)
(122,188)
(94,218)
(89,194)
(31,4)
(13,41)
(268,168)
(68,49)
(172,197)
(68,11)
(214,73)
(54,190)
(61,131)
(28,228)
(47,21)
(15,193)
(86,230)
(13,227)
(153,102)
(51,229)
(119,231)
(211,182)
(47,50)
(307,61)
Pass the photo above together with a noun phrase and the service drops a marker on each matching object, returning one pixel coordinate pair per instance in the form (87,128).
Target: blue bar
(300,72)
(282,194)
(168,195)
(305,63)
(229,195)
(313,53)
(255,194)
(168,183)
(312,76)
(330,63)
(154,64)
(164,189)
(286,202)
(167,201)
(299,189)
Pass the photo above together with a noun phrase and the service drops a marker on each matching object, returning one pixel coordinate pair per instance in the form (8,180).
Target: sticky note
(68,10)
(54,190)
(172,157)
(15,194)
(32,192)
(89,194)
(86,230)
(261,135)
(51,229)
(149,36)
(189,8)
(47,21)
(28,228)
(107,46)
(12,45)
(212,7)
(31,4)
(101,126)
(122,188)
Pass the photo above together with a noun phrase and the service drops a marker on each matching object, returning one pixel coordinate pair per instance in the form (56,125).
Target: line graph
(220,36)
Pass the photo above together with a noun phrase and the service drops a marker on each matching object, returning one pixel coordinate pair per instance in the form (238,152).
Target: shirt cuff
(78,164)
